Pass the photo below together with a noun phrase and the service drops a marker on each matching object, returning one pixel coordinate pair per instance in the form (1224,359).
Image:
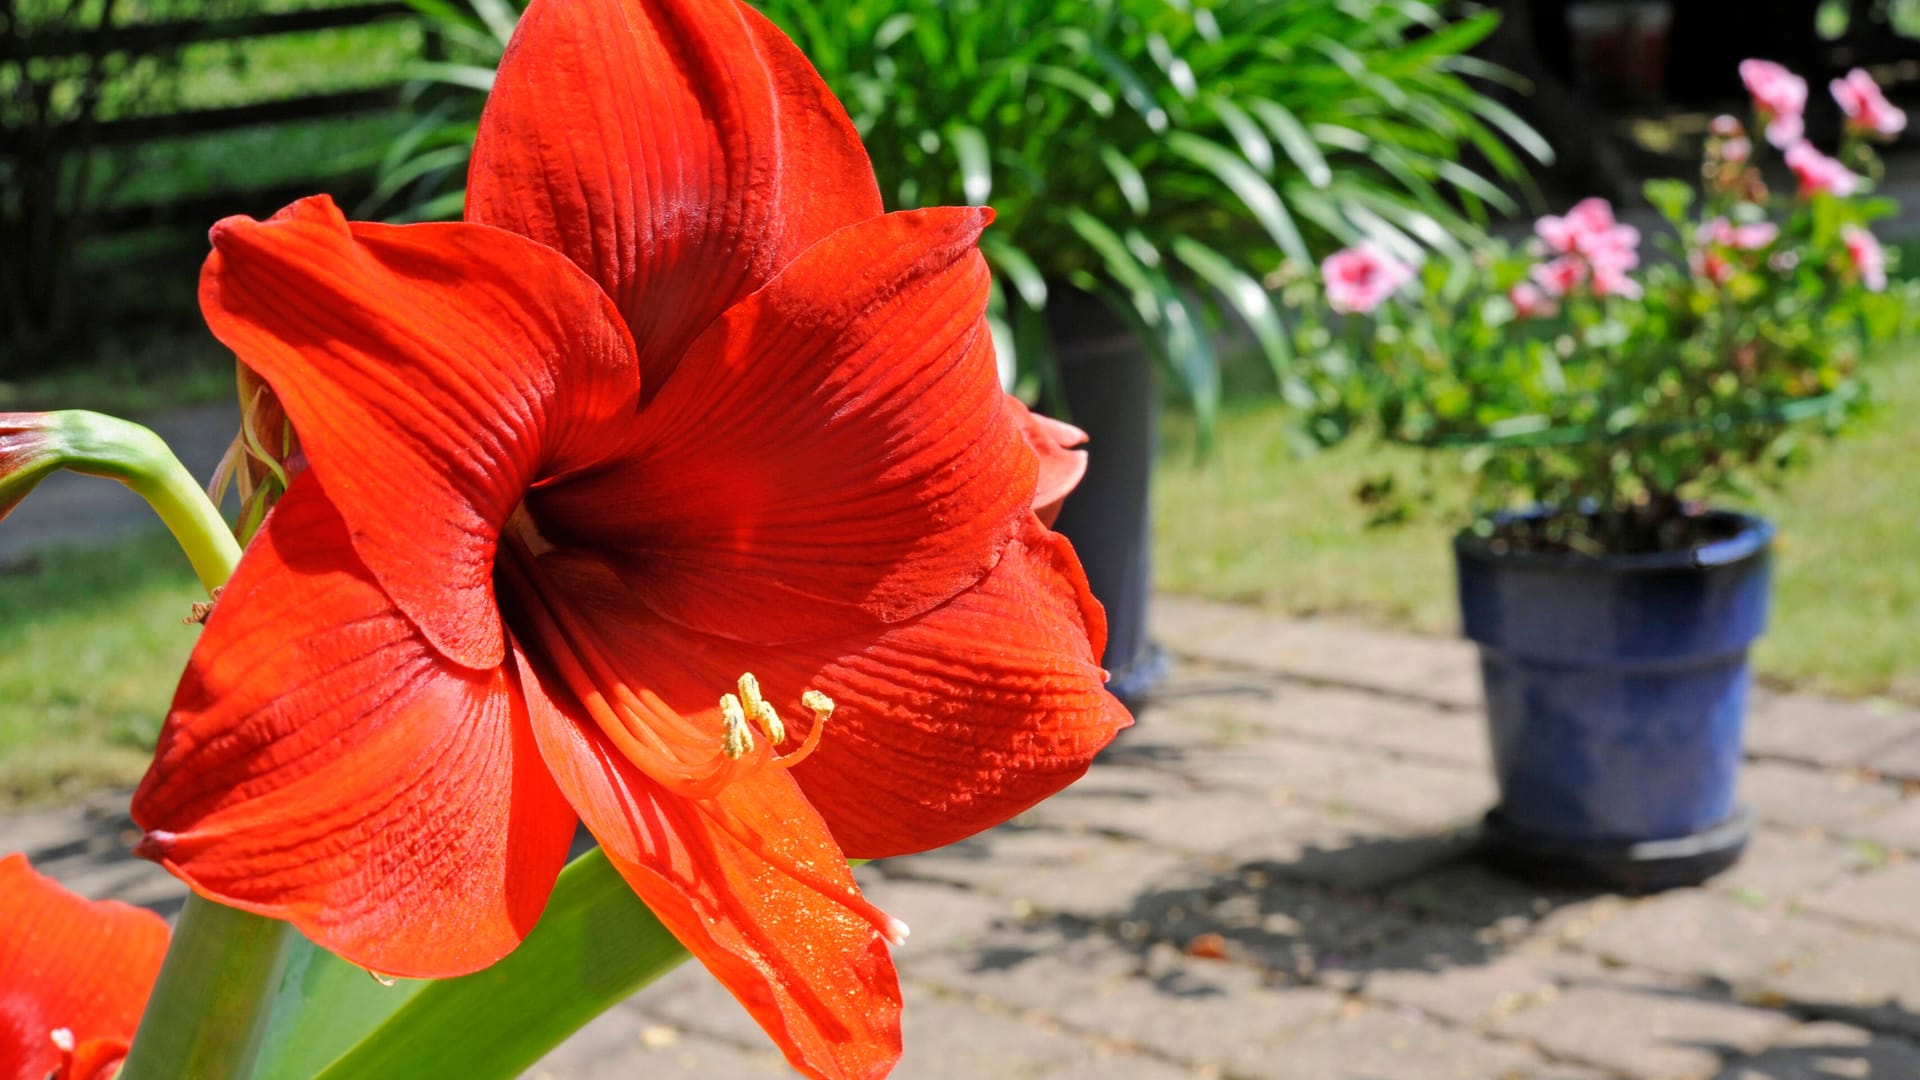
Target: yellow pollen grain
(770,722)
(737,739)
(819,704)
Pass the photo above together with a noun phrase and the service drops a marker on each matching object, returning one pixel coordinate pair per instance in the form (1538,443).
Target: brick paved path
(1305,791)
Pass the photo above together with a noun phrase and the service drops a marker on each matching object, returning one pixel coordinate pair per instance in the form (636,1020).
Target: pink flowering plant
(1607,383)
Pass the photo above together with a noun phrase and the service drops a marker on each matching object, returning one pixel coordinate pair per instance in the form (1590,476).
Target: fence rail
(52,153)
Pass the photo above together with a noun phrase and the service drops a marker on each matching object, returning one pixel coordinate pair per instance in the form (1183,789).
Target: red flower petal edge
(74,976)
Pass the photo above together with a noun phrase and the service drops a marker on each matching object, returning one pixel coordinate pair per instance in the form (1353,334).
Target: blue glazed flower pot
(1616,688)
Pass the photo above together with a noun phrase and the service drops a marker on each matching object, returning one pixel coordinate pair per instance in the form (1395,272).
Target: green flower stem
(210,1005)
(107,446)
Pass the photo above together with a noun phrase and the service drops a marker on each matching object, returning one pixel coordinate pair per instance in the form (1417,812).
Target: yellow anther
(761,709)
(770,722)
(750,693)
(737,739)
(819,704)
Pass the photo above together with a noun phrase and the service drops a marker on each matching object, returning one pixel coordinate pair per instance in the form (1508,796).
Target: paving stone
(1886,898)
(1356,858)
(1897,828)
(1457,737)
(941,915)
(1040,968)
(690,1000)
(1710,935)
(1454,974)
(1211,822)
(1873,979)
(1055,870)
(1648,1032)
(1781,864)
(1827,732)
(1382,1044)
(1200,1012)
(617,1045)
(1121,1065)
(1788,794)
(1262,919)
(1288,770)
(1468,893)
(1430,797)
(951,1039)
(1831,1051)
(1901,760)
(1328,650)
(1326,714)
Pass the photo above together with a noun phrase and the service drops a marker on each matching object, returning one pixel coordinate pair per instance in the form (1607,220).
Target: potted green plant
(1596,403)
(1149,162)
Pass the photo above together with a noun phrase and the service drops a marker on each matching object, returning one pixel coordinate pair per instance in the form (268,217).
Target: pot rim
(1751,541)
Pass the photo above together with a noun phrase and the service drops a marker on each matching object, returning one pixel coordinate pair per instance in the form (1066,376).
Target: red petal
(814,973)
(68,962)
(957,721)
(432,372)
(833,453)
(943,725)
(1062,467)
(681,151)
(324,765)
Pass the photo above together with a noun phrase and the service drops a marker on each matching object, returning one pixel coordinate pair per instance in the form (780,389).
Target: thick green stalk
(210,1005)
(211,1002)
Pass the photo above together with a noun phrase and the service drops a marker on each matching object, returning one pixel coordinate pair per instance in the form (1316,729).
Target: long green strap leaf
(594,947)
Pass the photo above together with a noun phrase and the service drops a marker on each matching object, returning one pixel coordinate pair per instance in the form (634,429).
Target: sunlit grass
(91,644)
(1259,525)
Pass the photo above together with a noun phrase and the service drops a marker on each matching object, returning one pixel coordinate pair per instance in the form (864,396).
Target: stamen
(761,709)
(821,706)
(737,739)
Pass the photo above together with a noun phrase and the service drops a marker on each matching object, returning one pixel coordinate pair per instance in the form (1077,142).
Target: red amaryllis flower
(630,542)
(74,977)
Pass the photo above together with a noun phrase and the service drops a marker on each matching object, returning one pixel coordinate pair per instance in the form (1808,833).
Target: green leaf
(1245,296)
(1293,138)
(325,1005)
(1126,175)
(470,76)
(1246,133)
(1253,190)
(500,17)
(976,166)
(594,947)
(1017,267)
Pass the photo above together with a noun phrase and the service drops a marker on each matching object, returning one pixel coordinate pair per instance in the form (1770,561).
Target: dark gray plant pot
(1107,377)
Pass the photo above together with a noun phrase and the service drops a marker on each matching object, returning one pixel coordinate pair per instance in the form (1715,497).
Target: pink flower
(1779,96)
(1868,110)
(1530,301)
(1613,280)
(1869,259)
(1589,230)
(1710,264)
(1819,173)
(1589,219)
(1736,150)
(1360,278)
(1558,277)
(1750,237)
(1726,127)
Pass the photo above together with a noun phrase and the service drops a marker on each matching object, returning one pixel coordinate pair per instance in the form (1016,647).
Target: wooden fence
(54,138)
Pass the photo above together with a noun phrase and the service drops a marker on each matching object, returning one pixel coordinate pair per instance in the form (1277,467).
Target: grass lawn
(90,646)
(1256,524)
